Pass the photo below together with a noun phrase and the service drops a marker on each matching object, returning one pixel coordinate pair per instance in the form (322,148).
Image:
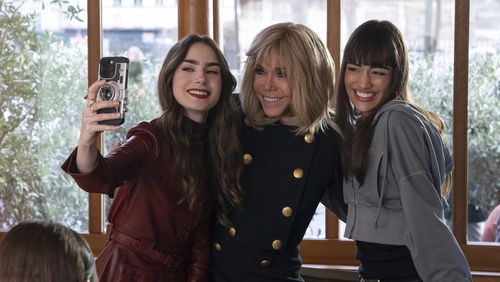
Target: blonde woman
(291,156)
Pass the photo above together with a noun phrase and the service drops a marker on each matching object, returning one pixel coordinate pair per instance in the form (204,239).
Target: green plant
(18,88)
(431,85)
(41,84)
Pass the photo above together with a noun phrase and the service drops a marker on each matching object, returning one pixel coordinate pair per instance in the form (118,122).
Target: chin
(273,114)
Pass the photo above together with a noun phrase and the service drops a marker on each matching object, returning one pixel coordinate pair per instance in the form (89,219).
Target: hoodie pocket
(369,193)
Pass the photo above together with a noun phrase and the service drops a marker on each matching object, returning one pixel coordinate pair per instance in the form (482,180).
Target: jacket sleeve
(120,165)
(434,250)
(198,268)
(333,198)
(498,227)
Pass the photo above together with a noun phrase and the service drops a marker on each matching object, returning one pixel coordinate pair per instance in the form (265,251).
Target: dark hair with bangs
(377,44)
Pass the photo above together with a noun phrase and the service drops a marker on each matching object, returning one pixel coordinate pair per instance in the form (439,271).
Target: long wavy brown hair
(223,150)
(379,44)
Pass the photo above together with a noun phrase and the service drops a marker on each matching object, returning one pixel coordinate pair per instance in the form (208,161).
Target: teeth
(198,92)
(364,94)
(271,99)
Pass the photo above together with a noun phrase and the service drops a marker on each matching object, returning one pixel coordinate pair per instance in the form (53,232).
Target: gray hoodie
(400,202)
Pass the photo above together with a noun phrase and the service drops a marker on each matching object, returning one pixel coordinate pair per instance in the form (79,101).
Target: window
(42,98)
(241,20)
(145,36)
(483,123)
(460,73)
(239,27)
(42,84)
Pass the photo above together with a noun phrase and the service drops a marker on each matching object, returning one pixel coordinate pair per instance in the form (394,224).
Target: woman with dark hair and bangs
(170,170)
(396,165)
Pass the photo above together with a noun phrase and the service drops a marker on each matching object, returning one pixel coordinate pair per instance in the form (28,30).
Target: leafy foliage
(41,85)
(43,80)
(431,85)
(71,11)
(63,82)
(18,88)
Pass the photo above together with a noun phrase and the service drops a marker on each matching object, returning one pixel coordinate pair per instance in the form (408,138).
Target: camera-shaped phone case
(115,71)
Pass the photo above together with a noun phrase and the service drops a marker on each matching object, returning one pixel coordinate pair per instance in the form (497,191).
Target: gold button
(287,211)
(298,173)
(277,244)
(247,159)
(217,246)
(231,232)
(265,262)
(309,138)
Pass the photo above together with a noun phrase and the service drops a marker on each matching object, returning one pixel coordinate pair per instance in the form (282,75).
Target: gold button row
(232,232)
(277,244)
(217,247)
(287,211)
(247,159)
(265,262)
(309,138)
(298,173)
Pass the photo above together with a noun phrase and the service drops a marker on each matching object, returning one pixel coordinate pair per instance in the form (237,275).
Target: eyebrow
(276,69)
(195,62)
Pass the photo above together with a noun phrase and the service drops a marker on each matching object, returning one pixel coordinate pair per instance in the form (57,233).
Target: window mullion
(460,100)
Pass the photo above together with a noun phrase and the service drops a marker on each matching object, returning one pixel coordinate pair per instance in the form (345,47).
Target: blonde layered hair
(310,70)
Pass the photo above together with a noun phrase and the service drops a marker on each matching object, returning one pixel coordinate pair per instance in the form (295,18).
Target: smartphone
(115,71)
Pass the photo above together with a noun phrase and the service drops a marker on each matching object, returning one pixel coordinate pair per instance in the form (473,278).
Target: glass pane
(241,20)
(43,79)
(143,31)
(483,122)
(428,28)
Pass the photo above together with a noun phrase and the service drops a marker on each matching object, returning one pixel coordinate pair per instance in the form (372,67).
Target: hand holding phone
(115,71)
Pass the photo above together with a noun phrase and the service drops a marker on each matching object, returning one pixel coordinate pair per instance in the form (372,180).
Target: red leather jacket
(155,237)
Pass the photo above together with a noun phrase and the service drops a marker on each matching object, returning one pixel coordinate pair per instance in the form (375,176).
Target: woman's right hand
(86,156)
(90,128)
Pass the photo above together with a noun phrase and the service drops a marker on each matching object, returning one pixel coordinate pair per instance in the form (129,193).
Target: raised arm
(87,151)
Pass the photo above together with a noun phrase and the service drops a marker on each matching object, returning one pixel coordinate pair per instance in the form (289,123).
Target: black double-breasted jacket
(285,177)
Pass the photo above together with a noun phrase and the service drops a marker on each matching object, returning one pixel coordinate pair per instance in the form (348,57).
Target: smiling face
(366,86)
(197,82)
(272,88)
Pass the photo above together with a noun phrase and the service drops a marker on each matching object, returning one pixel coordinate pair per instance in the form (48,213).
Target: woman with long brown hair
(170,170)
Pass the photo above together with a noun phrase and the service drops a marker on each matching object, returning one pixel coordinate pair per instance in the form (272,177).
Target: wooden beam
(460,100)
(195,17)
(333,44)
(94,35)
